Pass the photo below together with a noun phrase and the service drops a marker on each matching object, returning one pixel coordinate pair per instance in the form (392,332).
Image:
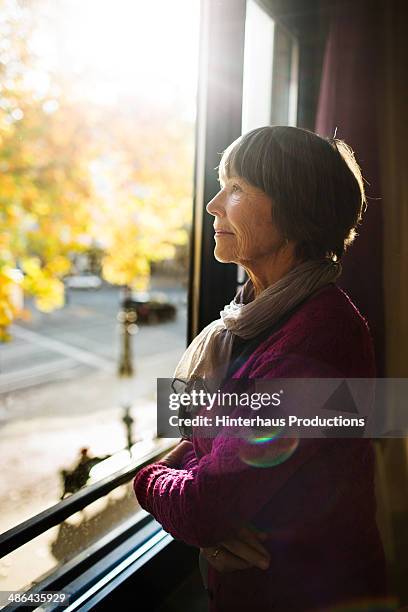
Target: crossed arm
(201,501)
(210,502)
(242,551)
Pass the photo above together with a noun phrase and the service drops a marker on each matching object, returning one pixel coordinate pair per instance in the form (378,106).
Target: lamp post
(127,318)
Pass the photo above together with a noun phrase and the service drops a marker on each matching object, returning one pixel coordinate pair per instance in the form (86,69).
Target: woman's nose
(215,206)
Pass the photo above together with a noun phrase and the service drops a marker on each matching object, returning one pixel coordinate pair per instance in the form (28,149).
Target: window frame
(219,117)
(19,535)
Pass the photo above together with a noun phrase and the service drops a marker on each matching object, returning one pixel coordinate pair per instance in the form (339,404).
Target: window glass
(270,71)
(285,78)
(97,123)
(270,80)
(41,556)
(258,67)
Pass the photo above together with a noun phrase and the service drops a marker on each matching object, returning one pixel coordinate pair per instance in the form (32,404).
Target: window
(97,133)
(270,81)
(98,101)
(270,71)
(258,67)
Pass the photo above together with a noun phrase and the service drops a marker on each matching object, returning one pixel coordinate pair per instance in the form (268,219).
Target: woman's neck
(266,273)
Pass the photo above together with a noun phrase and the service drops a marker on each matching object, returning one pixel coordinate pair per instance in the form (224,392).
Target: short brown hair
(315,185)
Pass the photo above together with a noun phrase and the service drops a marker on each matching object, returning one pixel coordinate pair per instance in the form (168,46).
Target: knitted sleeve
(208,499)
(189,460)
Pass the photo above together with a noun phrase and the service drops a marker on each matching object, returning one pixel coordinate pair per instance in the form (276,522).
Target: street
(82,337)
(59,392)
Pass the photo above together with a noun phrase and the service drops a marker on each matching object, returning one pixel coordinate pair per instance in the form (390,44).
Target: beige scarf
(208,355)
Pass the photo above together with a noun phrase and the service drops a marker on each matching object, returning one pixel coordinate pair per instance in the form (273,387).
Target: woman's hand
(241,552)
(175,456)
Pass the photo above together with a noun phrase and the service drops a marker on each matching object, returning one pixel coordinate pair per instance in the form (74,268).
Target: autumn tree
(73,175)
(44,183)
(145,195)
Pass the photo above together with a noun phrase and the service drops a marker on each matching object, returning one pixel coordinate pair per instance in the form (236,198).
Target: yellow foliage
(52,296)
(9,307)
(39,282)
(31,266)
(58,266)
(76,174)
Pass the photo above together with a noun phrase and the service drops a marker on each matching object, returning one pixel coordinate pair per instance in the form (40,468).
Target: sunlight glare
(123,47)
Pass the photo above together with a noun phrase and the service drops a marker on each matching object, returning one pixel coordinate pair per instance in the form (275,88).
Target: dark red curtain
(349,94)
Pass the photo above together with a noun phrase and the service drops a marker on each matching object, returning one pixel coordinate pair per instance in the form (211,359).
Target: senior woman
(300,533)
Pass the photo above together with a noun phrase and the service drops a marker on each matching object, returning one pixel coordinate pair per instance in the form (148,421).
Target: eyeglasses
(180,386)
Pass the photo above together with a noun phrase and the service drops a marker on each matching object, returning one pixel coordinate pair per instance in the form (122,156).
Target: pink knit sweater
(318,506)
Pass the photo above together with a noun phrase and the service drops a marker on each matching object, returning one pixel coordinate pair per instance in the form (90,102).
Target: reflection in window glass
(34,561)
(97,121)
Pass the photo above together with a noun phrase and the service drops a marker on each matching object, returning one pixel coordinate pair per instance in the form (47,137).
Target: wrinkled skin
(254,241)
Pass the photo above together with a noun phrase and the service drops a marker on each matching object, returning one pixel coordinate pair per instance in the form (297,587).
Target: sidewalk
(61,393)
(36,445)
(45,427)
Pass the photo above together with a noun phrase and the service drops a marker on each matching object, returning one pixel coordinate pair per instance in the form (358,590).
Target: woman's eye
(237,187)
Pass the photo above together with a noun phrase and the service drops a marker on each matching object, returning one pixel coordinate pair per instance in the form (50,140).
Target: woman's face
(245,213)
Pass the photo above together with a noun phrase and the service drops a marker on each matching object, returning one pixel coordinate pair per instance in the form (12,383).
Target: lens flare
(267,448)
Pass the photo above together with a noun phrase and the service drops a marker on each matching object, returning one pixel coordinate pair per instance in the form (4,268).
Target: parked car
(151,307)
(84,280)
